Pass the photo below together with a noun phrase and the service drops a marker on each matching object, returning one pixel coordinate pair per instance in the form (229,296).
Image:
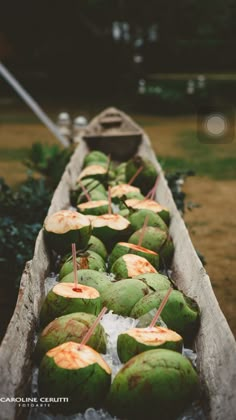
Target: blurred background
(160,61)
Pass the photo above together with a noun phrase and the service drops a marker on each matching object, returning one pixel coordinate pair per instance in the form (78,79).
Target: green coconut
(157,240)
(95,195)
(145,320)
(123,248)
(136,340)
(130,265)
(71,327)
(96,245)
(98,172)
(91,278)
(126,190)
(96,208)
(121,297)
(146,178)
(91,261)
(65,298)
(120,179)
(138,218)
(91,185)
(121,168)
(95,156)
(152,205)
(124,212)
(156,383)
(155,281)
(110,228)
(180,313)
(65,227)
(77,372)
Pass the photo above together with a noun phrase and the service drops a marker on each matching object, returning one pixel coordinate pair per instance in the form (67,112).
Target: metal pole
(32,104)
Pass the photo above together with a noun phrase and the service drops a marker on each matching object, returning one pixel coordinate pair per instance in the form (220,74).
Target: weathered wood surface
(18,343)
(215,343)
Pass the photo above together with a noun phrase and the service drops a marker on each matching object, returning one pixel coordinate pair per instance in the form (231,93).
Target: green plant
(21,217)
(50,161)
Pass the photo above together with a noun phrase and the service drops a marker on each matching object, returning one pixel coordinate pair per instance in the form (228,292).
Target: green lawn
(215,161)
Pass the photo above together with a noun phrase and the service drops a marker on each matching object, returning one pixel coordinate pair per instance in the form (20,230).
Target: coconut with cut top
(110,227)
(180,313)
(97,172)
(157,240)
(71,327)
(96,208)
(91,278)
(130,265)
(148,204)
(65,227)
(123,248)
(146,178)
(77,372)
(136,340)
(91,261)
(127,190)
(66,298)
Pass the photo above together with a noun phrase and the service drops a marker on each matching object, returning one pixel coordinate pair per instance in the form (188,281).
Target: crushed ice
(114,325)
(50,281)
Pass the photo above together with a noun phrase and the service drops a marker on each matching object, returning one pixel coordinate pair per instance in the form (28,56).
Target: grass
(18,154)
(215,161)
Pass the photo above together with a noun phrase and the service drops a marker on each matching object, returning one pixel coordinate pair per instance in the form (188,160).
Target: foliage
(21,217)
(48,160)
(175,181)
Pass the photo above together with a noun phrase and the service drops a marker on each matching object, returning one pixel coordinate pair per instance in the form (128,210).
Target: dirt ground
(212,225)
(213,231)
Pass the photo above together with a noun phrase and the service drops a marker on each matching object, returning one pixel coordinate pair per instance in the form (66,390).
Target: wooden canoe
(113,130)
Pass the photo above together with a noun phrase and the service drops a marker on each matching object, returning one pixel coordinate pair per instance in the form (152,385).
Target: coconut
(138,217)
(121,169)
(152,205)
(155,281)
(119,191)
(65,299)
(92,261)
(121,297)
(77,372)
(124,212)
(96,208)
(180,313)
(136,340)
(91,278)
(71,327)
(97,172)
(65,227)
(91,185)
(110,227)
(94,196)
(131,265)
(97,246)
(156,383)
(95,156)
(146,178)
(157,240)
(123,248)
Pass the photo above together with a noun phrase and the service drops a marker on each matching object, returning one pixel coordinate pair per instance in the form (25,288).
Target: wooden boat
(215,344)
